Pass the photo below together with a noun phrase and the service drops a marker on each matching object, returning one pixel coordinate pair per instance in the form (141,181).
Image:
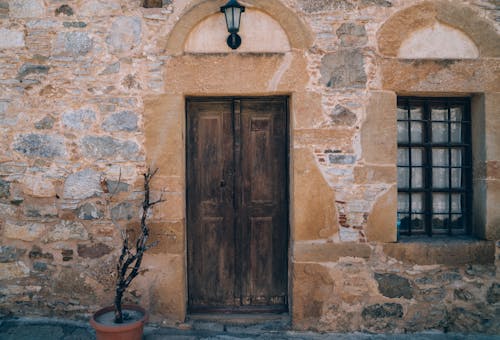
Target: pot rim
(124,326)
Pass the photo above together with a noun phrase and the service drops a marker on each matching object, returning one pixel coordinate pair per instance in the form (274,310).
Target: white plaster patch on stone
(438,42)
(258,31)
(348,234)
(26,8)
(11,38)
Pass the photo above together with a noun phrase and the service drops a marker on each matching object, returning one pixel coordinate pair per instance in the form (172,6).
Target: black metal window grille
(434,166)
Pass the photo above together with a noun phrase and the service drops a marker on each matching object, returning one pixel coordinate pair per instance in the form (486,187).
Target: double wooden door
(237,204)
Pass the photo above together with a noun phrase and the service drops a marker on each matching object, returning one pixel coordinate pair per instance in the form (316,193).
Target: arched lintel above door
(299,34)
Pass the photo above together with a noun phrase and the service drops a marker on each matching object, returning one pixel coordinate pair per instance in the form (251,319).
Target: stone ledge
(452,252)
(329,252)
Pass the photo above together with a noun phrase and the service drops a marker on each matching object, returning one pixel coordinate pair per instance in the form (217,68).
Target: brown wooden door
(237,192)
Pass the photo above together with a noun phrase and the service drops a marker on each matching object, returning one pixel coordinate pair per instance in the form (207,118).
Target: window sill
(442,250)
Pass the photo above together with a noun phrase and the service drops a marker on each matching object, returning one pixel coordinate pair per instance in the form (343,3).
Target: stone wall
(92,92)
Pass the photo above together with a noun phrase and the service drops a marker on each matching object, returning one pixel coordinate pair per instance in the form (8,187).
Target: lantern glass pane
(229,18)
(237,16)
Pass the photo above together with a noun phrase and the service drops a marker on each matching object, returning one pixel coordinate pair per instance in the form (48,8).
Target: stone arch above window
(396,33)
(259,33)
(298,34)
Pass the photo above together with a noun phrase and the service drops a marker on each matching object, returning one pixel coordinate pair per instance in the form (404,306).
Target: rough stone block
(343,69)
(380,311)
(13,270)
(28,68)
(82,184)
(341,115)
(124,211)
(4,189)
(46,123)
(26,8)
(493,294)
(394,286)
(352,34)
(38,186)
(24,231)
(121,121)
(93,251)
(125,34)
(341,159)
(64,9)
(98,8)
(107,148)
(10,253)
(65,231)
(79,119)
(37,145)
(73,44)
(11,38)
(89,211)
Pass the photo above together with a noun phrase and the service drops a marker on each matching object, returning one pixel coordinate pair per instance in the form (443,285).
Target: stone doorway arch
(255,74)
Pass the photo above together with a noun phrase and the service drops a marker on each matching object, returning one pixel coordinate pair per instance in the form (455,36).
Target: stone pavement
(57,329)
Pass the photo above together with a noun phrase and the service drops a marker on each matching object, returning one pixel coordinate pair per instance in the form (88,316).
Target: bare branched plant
(130,259)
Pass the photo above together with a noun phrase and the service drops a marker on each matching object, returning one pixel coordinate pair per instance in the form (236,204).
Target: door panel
(237,203)
(210,208)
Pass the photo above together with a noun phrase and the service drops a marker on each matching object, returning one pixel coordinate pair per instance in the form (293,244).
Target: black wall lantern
(232,11)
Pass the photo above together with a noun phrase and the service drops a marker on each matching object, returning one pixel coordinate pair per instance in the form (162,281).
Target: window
(434,166)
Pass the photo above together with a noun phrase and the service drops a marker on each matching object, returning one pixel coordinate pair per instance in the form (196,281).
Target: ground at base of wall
(58,329)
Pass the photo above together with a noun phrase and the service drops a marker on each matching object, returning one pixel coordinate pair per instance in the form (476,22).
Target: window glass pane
(417,180)
(439,157)
(440,223)
(403,132)
(416,113)
(417,223)
(456,113)
(440,177)
(456,203)
(417,156)
(403,202)
(403,177)
(402,113)
(456,132)
(417,131)
(456,157)
(439,132)
(457,222)
(456,178)
(403,156)
(440,203)
(439,113)
(417,203)
(404,223)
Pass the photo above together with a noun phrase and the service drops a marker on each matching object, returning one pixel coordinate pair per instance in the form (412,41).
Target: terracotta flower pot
(126,331)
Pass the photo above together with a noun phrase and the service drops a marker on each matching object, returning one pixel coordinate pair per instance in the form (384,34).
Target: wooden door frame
(286,98)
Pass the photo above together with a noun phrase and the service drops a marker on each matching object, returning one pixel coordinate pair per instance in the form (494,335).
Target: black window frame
(427,145)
